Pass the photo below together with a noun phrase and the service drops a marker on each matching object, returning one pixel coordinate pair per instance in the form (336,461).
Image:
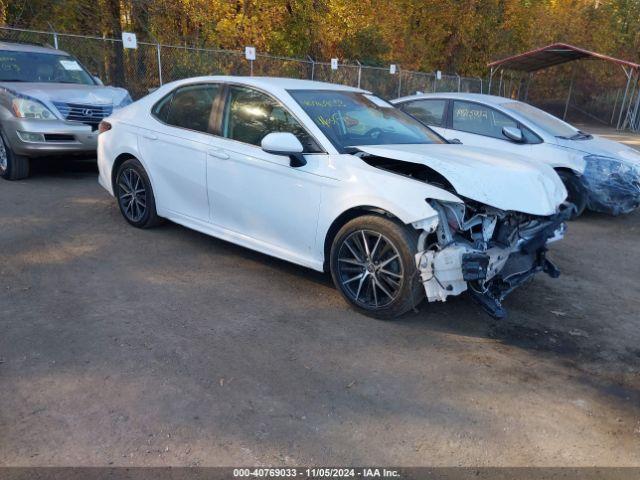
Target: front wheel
(135,195)
(577,192)
(373,266)
(12,166)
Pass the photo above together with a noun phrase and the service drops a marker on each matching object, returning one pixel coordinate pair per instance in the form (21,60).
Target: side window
(479,119)
(190,107)
(161,109)
(429,112)
(250,115)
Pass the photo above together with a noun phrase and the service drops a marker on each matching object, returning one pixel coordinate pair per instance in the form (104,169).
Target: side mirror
(514,134)
(97,80)
(284,143)
(455,141)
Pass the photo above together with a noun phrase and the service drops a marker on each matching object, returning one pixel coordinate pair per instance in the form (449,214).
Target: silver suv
(49,105)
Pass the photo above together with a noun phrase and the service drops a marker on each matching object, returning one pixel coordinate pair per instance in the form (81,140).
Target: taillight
(104,127)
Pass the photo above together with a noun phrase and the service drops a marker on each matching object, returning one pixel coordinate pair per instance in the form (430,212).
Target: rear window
(429,112)
(188,107)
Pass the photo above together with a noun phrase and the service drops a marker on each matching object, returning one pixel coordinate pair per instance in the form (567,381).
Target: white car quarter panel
(360,185)
(122,139)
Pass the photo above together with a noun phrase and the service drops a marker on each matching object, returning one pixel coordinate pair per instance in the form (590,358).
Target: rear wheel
(12,166)
(135,195)
(577,192)
(373,266)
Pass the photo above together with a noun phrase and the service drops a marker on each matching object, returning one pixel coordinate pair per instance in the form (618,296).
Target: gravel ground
(166,347)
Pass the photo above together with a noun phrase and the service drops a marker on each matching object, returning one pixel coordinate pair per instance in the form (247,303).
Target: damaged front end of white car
(495,237)
(484,250)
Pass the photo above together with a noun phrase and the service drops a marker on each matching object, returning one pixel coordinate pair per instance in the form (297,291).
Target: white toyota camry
(334,178)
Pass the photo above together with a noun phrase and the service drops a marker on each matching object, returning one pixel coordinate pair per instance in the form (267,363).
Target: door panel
(259,195)
(481,126)
(177,166)
(176,150)
(253,192)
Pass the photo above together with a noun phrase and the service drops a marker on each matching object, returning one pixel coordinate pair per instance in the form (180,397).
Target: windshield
(41,67)
(351,118)
(550,124)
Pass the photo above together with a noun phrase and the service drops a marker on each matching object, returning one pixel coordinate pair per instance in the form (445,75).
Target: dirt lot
(167,347)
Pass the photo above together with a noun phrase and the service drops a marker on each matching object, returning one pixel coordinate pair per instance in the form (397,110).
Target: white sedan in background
(599,174)
(333,178)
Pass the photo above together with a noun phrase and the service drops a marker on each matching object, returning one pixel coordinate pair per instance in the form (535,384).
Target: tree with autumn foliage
(455,35)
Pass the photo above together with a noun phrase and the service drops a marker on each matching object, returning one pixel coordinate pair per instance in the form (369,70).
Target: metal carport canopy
(551,55)
(559,53)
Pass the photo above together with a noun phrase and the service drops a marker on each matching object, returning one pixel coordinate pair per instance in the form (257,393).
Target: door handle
(150,136)
(218,154)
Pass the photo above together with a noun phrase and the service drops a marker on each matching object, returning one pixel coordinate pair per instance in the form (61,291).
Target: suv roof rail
(24,42)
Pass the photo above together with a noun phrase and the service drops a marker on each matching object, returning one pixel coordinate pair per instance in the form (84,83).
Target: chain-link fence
(150,65)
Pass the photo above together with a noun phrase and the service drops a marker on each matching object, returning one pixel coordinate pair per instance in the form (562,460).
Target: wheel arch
(566,170)
(345,217)
(120,159)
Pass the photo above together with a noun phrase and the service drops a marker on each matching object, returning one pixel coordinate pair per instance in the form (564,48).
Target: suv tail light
(104,127)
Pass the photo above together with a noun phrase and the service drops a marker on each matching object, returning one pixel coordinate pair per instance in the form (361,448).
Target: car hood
(488,176)
(603,147)
(69,93)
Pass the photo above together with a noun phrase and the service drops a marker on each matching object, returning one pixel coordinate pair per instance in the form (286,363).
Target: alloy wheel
(370,269)
(132,195)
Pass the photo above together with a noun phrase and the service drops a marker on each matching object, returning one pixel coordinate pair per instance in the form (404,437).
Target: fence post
(480,78)
(159,63)
(359,72)
(459,82)
(313,66)
(490,80)
(399,81)
(55,36)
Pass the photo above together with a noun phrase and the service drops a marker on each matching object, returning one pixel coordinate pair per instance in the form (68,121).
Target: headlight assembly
(613,185)
(24,107)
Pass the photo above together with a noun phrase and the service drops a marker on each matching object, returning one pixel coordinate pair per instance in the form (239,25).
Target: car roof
(472,97)
(29,47)
(271,83)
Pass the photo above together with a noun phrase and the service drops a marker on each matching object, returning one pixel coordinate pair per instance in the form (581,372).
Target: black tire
(12,166)
(134,195)
(367,295)
(577,193)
